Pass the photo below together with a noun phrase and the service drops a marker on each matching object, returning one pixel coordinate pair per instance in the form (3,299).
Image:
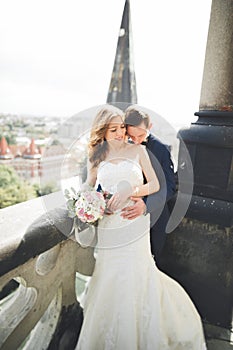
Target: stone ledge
(28,230)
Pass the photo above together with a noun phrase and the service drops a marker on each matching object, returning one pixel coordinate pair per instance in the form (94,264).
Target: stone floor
(218,338)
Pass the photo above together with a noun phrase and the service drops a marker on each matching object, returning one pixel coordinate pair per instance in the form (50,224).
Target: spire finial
(122,90)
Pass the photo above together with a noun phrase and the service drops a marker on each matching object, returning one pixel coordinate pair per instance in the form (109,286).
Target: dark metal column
(210,138)
(199,252)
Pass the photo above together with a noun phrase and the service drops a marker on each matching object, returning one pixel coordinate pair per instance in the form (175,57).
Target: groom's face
(138,133)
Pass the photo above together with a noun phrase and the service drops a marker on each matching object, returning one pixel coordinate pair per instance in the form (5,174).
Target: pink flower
(80,212)
(90,206)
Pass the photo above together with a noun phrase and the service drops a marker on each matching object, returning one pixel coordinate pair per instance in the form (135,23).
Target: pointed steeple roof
(32,151)
(122,90)
(5,152)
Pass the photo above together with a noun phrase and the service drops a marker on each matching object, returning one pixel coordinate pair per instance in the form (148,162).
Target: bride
(129,303)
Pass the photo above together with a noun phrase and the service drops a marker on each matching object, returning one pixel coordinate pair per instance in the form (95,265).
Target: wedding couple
(129,303)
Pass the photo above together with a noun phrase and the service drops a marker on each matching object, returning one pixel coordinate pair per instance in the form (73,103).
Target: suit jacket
(157,203)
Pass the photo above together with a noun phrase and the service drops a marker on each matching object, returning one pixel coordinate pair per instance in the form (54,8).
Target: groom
(138,126)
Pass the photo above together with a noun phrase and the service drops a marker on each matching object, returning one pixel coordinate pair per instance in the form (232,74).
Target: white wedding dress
(129,304)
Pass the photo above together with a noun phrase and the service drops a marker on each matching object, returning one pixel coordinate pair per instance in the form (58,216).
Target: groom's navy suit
(157,203)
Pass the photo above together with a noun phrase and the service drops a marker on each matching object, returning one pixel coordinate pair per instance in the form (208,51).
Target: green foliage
(55,142)
(12,189)
(20,123)
(44,190)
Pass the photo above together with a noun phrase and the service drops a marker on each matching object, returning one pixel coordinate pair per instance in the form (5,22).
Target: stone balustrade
(41,262)
(40,259)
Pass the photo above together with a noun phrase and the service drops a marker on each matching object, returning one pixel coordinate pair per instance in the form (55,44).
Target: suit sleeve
(168,168)
(164,169)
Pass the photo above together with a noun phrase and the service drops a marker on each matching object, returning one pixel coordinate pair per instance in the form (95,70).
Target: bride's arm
(152,184)
(91,177)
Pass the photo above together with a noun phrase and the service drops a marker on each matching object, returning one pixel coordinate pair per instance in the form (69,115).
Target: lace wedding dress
(129,304)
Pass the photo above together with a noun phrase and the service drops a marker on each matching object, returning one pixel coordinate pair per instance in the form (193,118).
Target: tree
(12,189)
(56,142)
(44,190)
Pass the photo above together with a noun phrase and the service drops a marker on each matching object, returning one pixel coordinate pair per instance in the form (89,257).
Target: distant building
(73,128)
(34,163)
(25,160)
(51,164)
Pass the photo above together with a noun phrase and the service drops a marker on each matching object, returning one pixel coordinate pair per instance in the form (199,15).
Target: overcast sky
(56,56)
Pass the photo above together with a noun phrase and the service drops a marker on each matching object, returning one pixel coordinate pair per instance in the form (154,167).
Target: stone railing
(41,264)
(40,259)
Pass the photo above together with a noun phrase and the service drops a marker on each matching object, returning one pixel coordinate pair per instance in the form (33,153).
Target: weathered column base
(199,256)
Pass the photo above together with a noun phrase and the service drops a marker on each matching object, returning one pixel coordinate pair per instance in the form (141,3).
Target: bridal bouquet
(89,205)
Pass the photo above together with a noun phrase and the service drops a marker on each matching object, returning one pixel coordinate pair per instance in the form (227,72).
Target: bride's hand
(117,201)
(114,202)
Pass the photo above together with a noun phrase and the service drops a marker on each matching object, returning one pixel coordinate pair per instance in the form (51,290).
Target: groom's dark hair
(134,117)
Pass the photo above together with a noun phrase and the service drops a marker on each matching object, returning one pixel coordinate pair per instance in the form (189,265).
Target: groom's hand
(133,211)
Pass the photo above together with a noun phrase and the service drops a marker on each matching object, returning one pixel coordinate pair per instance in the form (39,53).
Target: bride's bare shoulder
(132,147)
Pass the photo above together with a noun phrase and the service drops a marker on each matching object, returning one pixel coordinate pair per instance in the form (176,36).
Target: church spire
(122,90)
(5,152)
(32,152)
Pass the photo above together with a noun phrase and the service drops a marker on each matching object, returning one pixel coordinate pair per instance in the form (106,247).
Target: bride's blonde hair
(97,146)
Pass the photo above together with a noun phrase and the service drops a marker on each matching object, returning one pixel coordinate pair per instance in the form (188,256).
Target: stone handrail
(39,258)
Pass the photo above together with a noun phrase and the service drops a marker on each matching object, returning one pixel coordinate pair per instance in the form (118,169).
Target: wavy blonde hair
(97,146)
